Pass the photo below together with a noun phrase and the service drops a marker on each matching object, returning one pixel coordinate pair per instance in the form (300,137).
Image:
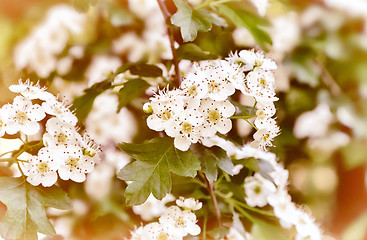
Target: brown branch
(328,80)
(210,187)
(166,15)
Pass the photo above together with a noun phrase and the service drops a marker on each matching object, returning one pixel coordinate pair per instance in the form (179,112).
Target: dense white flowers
(268,186)
(175,223)
(200,108)
(65,153)
(39,50)
(152,207)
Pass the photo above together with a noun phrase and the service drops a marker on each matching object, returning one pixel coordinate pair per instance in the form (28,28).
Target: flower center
(180,222)
(61,138)
(43,167)
(265,137)
(192,90)
(21,117)
(89,152)
(214,116)
(72,162)
(262,83)
(162,236)
(213,87)
(257,189)
(258,63)
(58,110)
(166,115)
(186,128)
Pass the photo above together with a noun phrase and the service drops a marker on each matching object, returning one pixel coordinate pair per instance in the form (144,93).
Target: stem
(1,155)
(243,117)
(166,15)
(253,109)
(253,209)
(7,159)
(251,124)
(210,187)
(328,80)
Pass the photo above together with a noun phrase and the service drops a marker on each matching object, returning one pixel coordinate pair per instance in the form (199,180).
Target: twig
(166,15)
(328,80)
(210,187)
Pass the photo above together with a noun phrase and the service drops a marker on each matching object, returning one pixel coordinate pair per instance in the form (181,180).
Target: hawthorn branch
(210,187)
(166,15)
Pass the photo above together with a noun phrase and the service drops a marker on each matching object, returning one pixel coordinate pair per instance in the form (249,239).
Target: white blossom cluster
(174,224)
(40,49)
(65,151)
(269,186)
(200,107)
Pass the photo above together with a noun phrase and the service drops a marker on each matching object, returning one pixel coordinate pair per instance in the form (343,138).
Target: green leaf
(214,157)
(83,5)
(26,215)
(132,89)
(262,230)
(140,69)
(84,103)
(189,20)
(193,52)
(145,70)
(250,163)
(151,172)
(241,17)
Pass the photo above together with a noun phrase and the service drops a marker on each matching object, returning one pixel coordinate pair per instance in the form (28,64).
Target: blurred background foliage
(321,50)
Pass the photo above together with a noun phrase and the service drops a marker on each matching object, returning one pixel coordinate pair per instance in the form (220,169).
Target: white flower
(284,209)
(30,91)
(42,169)
(257,190)
(59,110)
(137,234)
(157,231)
(186,129)
(219,86)
(194,84)
(234,234)
(180,222)
(22,116)
(226,145)
(263,113)
(101,67)
(264,137)
(251,59)
(152,207)
(216,116)
(261,6)
(166,107)
(73,164)
(98,183)
(306,227)
(60,133)
(189,203)
(260,85)
(105,125)
(90,148)
(313,123)
(235,74)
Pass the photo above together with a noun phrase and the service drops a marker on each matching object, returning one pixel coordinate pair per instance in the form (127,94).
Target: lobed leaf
(189,20)
(151,172)
(26,215)
(214,157)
